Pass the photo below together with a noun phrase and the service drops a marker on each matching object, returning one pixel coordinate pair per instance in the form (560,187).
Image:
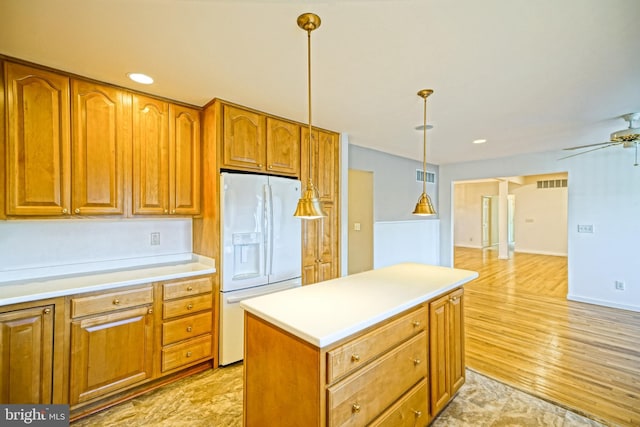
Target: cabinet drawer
(358,352)
(361,397)
(187,306)
(185,328)
(410,411)
(110,301)
(185,288)
(186,353)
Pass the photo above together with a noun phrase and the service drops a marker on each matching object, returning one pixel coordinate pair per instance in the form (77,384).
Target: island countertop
(326,312)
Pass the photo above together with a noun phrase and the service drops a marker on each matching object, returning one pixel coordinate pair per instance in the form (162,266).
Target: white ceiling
(526,75)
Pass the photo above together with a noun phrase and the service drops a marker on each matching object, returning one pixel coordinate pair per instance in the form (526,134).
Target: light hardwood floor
(521,329)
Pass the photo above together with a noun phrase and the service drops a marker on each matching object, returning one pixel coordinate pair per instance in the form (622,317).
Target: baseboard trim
(532,251)
(609,304)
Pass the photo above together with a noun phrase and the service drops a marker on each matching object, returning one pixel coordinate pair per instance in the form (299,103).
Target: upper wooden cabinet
(38,142)
(324,158)
(255,142)
(184,160)
(283,147)
(166,158)
(101,131)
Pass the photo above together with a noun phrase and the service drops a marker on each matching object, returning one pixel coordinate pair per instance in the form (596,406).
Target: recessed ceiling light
(140,78)
(479,141)
(421,127)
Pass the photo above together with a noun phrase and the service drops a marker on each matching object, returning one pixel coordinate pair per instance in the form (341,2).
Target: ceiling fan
(628,138)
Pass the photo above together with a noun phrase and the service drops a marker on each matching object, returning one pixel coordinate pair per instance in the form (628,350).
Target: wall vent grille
(431,177)
(552,183)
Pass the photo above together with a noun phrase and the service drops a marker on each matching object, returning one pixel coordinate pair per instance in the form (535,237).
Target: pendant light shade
(309,206)
(424,207)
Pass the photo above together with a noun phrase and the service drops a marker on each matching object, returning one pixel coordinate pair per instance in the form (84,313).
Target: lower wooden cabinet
(187,323)
(112,350)
(376,377)
(26,355)
(447,348)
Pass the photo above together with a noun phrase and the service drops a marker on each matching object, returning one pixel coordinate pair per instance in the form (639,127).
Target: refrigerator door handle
(270,230)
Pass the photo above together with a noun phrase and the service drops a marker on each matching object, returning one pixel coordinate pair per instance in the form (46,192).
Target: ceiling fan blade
(591,145)
(611,144)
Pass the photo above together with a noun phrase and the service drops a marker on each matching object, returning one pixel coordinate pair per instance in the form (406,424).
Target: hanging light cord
(424,150)
(310,182)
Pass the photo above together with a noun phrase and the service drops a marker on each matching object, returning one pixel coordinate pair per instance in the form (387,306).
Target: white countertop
(49,287)
(326,312)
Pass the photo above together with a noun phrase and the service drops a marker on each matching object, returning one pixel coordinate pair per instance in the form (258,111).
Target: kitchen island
(383,347)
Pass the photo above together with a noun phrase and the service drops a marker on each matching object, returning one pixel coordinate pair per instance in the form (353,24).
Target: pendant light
(424,207)
(309,205)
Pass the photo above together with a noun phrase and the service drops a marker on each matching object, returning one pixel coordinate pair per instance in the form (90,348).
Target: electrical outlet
(585,228)
(155,238)
(619,285)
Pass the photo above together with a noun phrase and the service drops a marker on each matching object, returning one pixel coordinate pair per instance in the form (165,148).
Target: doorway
(360,221)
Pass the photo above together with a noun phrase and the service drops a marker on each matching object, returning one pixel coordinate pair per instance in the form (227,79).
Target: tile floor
(214,399)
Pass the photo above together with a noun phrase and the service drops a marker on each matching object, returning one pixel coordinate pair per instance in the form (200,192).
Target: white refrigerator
(260,248)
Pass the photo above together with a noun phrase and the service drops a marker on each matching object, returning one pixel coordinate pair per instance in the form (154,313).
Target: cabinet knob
(77,210)
(418,414)
(188,354)
(166,211)
(189,288)
(150,311)
(116,301)
(270,166)
(189,328)
(64,210)
(189,307)
(355,408)
(355,357)
(416,362)
(416,323)
(454,299)
(260,165)
(46,311)
(173,211)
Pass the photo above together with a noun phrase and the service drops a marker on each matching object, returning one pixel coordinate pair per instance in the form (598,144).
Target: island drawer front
(186,353)
(186,327)
(410,411)
(186,306)
(361,397)
(185,288)
(103,303)
(358,352)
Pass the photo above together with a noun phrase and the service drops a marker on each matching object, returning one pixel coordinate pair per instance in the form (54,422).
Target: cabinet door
(244,139)
(184,160)
(310,237)
(110,353)
(26,355)
(101,128)
(324,162)
(38,143)
(456,336)
(327,248)
(150,156)
(439,354)
(283,147)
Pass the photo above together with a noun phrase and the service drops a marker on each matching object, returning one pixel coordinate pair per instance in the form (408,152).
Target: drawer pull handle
(189,288)
(77,210)
(416,362)
(190,306)
(47,311)
(355,408)
(188,354)
(416,323)
(189,328)
(418,414)
(116,301)
(355,357)
(64,210)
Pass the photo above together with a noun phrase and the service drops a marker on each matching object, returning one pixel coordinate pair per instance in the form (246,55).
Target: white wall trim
(536,252)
